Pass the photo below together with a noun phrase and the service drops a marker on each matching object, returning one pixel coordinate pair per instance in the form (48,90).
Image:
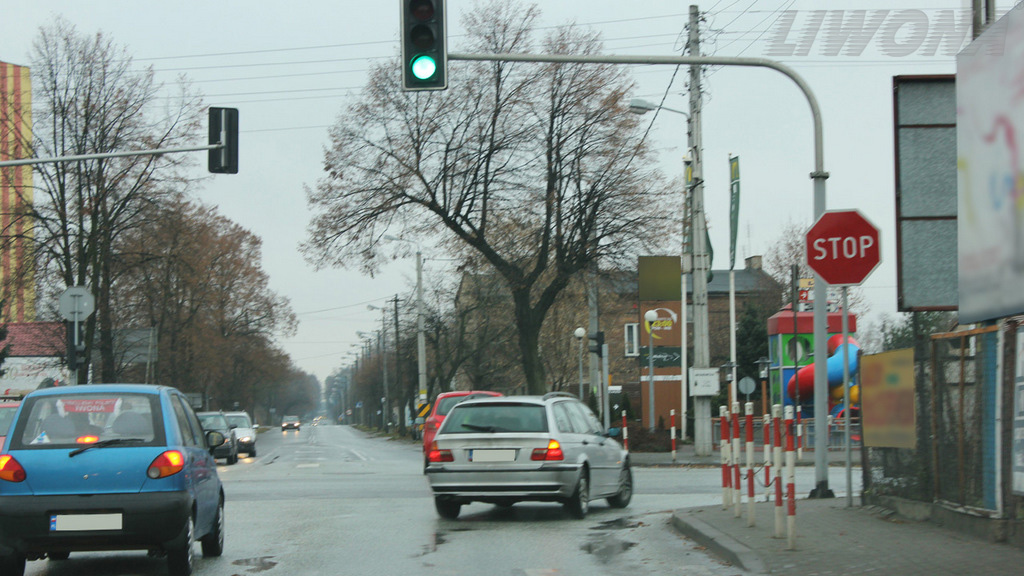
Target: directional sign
(843,247)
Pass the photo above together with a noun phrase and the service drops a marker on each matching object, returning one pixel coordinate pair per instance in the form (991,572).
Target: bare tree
(88,98)
(536,169)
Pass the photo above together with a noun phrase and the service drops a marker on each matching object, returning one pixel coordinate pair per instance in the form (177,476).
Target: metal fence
(956,387)
(836,433)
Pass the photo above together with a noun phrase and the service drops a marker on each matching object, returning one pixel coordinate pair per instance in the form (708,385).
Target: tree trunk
(529,341)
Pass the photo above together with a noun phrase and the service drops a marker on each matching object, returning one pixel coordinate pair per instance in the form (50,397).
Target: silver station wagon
(527,448)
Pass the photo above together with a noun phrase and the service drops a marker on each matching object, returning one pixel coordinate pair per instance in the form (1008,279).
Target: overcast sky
(291,67)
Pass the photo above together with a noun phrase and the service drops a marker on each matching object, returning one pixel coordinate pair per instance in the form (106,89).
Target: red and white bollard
(737,484)
(767,428)
(723,417)
(780,512)
(790,482)
(749,413)
(799,433)
(625,432)
(672,417)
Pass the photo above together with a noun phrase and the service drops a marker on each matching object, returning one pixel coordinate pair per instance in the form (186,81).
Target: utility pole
(398,374)
(701,332)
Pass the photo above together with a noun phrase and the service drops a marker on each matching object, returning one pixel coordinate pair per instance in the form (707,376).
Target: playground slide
(834,369)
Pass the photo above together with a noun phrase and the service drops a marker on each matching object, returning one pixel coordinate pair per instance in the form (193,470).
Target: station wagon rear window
(82,419)
(504,417)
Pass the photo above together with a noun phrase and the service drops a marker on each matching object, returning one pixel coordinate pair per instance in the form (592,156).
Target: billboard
(990,172)
(17,278)
(660,290)
(924,113)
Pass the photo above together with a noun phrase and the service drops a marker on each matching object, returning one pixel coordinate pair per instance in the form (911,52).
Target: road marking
(308,466)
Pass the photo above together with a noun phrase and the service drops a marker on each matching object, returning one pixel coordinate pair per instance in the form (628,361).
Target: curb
(719,543)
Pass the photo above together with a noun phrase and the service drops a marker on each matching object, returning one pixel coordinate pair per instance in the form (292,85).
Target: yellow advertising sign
(888,407)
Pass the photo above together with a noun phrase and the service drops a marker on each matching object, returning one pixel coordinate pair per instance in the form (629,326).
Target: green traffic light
(423,67)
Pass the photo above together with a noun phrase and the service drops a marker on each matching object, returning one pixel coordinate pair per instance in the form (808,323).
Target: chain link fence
(956,387)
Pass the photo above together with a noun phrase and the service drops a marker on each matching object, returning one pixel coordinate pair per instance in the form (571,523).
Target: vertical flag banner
(734,207)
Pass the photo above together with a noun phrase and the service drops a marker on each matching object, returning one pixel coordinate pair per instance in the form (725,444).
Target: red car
(442,405)
(7,410)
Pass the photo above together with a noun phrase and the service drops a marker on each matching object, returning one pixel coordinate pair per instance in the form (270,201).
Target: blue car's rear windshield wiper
(104,444)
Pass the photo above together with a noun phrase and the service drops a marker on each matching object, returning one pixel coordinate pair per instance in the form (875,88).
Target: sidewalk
(832,539)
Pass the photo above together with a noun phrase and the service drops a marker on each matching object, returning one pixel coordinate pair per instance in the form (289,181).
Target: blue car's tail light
(10,469)
(167,464)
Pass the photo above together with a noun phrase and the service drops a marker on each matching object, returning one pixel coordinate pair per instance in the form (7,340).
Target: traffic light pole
(157,152)
(818,175)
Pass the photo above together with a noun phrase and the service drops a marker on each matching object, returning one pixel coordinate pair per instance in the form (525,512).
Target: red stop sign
(842,247)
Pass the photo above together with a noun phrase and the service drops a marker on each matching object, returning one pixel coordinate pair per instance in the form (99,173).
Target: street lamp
(727,371)
(762,371)
(579,334)
(650,317)
(421,342)
(695,183)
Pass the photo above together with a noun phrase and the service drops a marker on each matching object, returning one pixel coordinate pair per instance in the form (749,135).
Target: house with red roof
(36,357)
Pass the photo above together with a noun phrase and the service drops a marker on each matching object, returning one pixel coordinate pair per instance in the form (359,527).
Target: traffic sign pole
(842,248)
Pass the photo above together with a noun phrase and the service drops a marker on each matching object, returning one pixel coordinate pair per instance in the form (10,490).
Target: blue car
(138,453)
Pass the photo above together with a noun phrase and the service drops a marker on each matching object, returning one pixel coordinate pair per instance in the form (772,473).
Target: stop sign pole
(843,248)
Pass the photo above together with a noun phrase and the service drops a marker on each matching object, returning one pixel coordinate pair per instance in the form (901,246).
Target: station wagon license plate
(492,456)
(82,522)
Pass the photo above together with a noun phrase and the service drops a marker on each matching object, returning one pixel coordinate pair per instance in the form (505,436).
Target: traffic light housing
(596,344)
(424,45)
(223,129)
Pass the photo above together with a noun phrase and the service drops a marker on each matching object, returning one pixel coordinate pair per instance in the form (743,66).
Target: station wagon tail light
(552,452)
(438,455)
(10,469)
(167,464)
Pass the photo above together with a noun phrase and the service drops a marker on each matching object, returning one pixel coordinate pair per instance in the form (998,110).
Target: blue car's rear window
(82,419)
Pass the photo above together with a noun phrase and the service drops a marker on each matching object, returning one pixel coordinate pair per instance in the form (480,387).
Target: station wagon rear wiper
(104,444)
(479,428)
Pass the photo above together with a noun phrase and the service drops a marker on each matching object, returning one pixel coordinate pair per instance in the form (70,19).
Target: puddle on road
(606,547)
(618,524)
(256,564)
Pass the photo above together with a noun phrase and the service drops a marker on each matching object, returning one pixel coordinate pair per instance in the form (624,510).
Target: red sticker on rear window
(90,405)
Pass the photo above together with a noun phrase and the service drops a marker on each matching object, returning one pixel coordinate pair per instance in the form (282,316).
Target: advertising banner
(888,408)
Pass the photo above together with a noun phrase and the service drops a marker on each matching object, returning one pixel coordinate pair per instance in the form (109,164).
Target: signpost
(75,305)
(843,248)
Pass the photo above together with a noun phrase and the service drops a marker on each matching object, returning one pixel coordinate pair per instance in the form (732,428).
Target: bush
(643,440)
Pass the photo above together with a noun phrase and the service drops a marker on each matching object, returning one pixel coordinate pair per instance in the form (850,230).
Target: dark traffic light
(596,344)
(223,129)
(424,45)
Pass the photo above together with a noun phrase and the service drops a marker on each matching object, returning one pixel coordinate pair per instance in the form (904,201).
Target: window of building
(631,337)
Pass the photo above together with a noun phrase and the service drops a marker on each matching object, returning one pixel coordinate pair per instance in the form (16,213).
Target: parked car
(245,431)
(527,448)
(291,422)
(217,421)
(151,483)
(443,404)
(7,410)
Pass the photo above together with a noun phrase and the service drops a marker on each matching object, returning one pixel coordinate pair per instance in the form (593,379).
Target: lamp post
(421,346)
(650,317)
(727,370)
(579,334)
(695,183)
(762,371)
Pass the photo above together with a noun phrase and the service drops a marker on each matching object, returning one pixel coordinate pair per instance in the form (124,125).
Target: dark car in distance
(219,422)
(150,480)
(290,422)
